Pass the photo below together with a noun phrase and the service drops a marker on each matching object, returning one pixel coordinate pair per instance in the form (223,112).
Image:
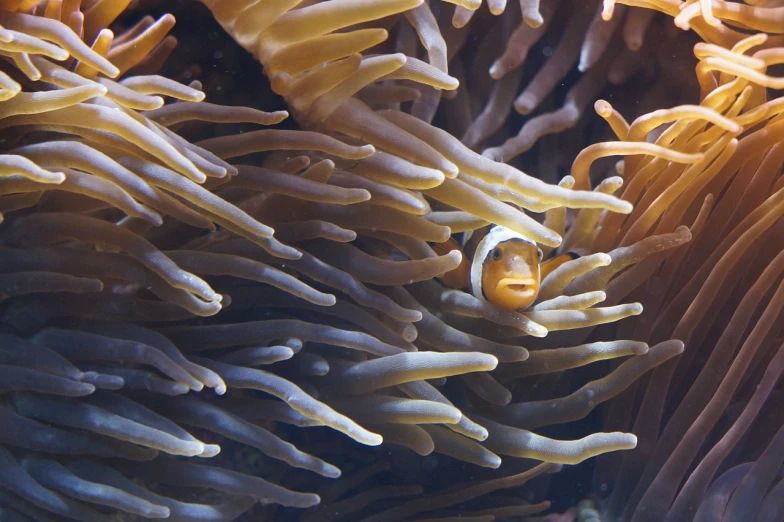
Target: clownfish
(500,266)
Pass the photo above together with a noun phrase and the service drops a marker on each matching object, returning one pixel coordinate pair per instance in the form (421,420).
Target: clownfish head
(506,270)
(510,276)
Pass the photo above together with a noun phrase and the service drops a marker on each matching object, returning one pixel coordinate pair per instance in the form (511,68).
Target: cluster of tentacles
(193,328)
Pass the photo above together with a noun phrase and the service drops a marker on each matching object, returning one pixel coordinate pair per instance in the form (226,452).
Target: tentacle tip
(197,176)
(625,207)
(373,439)
(98,90)
(331,472)
(111,72)
(158,512)
(280,83)
(279,116)
(60,55)
(525,103)
(493,154)
(603,259)
(539,332)
(180,389)
(449,169)
(457,255)
(209,309)
(365,151)
(634,45)
(400,58)
(489,362)
(193,449)
(533,18)
(154,218)
(602,108)
(641,348)
(551,240)
(451,84)
(210,450)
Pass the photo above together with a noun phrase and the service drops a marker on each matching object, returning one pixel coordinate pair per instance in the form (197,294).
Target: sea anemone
(203,320)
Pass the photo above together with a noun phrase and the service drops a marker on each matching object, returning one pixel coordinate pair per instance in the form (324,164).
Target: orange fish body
(504,267)
(554,262)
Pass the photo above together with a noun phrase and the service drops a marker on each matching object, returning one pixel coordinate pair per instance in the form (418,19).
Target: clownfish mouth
(522,286)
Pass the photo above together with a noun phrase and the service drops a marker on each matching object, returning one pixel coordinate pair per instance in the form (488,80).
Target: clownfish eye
(539,253)
(497,253)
